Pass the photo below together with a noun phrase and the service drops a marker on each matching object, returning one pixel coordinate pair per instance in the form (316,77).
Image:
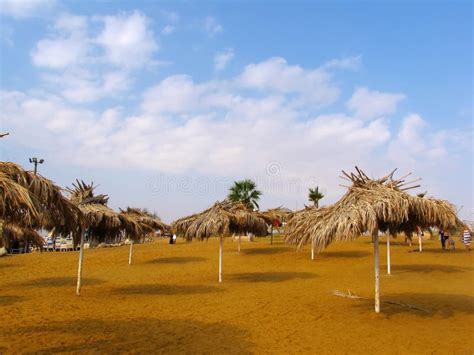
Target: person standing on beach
(442,239)
(466,238)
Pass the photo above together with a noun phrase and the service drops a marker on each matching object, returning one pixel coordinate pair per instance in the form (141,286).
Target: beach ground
(272,300)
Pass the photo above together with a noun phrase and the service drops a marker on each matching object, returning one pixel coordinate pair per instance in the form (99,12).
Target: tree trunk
(375,235)
(79,269)
(388,254)
(312,250)
(130,254)
(220,259)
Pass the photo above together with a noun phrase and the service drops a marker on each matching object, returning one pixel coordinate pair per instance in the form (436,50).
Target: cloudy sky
(164,104)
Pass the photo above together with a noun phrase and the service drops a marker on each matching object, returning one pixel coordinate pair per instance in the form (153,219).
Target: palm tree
(314,195)
(245,191)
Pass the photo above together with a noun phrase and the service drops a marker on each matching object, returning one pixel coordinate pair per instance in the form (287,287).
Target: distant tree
(314,195)
(245,191)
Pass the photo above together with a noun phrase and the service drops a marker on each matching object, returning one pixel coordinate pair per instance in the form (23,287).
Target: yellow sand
(272,300)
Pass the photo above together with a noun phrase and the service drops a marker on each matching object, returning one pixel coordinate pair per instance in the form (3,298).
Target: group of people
(445,238)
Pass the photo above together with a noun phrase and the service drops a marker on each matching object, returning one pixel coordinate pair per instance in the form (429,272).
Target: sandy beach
(272,300)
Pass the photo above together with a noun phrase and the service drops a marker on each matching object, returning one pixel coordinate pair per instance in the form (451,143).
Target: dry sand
(272,300)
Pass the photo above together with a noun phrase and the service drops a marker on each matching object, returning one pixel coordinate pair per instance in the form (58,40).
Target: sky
(164,104)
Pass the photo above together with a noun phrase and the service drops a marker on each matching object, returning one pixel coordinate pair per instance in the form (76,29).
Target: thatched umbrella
(145,220)
(370,205)
(32,201)
(222,219)
(13,232)
(281,214)
(17,204)
(101,221)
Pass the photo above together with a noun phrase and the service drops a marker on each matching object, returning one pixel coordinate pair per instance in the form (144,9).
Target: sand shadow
(345,254)
(59,282)
(441,251)
(140,335)
(423,304)
(9,300)
(7,266)
(428,268)
(271,276)
(177,260)
(264,251)
(152,289)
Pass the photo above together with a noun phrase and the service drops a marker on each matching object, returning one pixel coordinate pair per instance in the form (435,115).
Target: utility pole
(36,161)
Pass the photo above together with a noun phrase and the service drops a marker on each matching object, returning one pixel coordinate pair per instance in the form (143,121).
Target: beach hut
(222,219)
(370,205)
(147,222)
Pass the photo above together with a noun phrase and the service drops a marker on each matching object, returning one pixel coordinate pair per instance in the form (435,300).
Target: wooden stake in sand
(420,239)
(388,254)
(375,235)
(130,254)
(220,258)
(79,269)
(312,250)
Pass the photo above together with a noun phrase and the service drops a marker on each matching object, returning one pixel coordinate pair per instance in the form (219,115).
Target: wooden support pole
(220,259)
(312,250)
(375,235)
(240,243)
(130,254)
(79,269)
(271,236)
(388,254)
(420,241)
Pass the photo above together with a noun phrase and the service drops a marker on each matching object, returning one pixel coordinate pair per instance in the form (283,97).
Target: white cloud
(86,63)
(276,75)
(221,59)
(168,29)
(25,8)
(211,26)
(369,104)
(127,40)
(222,128)
(68,46)
(415,141)
(352,63)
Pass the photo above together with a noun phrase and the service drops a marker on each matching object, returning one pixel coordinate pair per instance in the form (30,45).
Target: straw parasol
(147,222)
(54,211)
(281,214)
(222,219)
(17,204)
(102,222)
(13,232)
(370,205)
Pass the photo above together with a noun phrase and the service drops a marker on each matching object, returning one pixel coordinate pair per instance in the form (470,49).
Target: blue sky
(165,104)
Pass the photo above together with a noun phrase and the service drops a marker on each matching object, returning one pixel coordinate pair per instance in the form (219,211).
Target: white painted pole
(79,269)
(376,267)
(220,259)
(388,254)
(312,250)
(240,242)
(420,241)
(130,254)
